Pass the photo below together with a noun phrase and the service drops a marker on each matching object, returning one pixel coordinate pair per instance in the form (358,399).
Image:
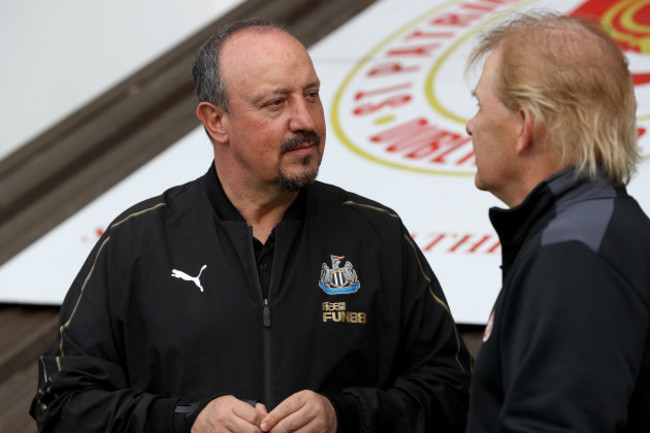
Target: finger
(239,425)
(315,414)
(290,405)
(252,415)
(261,409)
(228,413)
(294,423)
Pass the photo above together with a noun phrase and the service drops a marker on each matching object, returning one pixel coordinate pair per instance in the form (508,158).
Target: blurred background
(98,113)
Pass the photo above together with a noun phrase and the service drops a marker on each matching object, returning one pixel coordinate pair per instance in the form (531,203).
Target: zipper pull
(267,314)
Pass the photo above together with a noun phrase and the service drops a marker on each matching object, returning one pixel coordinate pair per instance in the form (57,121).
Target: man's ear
(525,133)
(214,119)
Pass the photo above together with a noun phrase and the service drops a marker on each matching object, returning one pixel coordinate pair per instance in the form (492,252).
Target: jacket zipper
(267,314)
(266,322)
(267,352)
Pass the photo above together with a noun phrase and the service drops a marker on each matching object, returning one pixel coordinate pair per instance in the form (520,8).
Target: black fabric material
(169,304)
(568,348)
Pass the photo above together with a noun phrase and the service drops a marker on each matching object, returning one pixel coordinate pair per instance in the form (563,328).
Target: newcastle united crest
(338,281)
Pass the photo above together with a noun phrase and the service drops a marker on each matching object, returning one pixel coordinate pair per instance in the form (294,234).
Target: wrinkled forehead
(253,43)
(259,63)
(260,51)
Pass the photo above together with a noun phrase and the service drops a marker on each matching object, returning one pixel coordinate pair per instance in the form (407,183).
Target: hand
(303,412)
(229,414)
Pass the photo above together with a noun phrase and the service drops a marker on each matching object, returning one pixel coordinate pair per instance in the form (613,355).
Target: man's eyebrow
(280,91)
(285,91)
(474,93)
(265,94)
(313,84)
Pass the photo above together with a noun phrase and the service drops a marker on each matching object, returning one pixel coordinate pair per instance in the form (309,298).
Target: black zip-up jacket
(568,347)
(168,308)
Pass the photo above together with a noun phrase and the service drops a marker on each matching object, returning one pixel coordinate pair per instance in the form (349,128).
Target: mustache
(299,139)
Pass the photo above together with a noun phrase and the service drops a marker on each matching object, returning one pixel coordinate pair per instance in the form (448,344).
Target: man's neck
(534,169)
(263,208)
(263,215)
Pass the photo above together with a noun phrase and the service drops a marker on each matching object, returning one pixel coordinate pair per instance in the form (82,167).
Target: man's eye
(274,104)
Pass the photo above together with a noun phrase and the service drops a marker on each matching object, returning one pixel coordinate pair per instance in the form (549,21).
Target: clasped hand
(303,412)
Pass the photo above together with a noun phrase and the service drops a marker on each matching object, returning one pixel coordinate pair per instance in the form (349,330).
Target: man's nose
(469,127)
(302,116)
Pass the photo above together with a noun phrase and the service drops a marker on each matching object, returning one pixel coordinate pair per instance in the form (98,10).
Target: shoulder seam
(66,325)
(437,299)
(135,214)
(371,207)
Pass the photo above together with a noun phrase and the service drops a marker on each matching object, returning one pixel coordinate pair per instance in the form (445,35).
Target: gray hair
(206,73)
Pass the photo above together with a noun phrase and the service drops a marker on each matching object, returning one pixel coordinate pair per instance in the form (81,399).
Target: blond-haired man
(567,347)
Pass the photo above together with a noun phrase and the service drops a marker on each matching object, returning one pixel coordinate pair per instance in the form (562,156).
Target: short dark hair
(206,73)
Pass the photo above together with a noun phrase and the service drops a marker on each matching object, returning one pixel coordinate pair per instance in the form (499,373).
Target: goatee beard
(297,182)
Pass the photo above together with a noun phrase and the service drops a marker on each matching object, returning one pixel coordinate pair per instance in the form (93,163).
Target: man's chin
(479,185)
(297,181)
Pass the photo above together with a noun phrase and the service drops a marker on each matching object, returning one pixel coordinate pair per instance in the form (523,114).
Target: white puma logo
(183,276)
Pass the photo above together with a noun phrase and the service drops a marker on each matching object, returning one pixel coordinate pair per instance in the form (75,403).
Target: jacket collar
(551,196)
(226,211)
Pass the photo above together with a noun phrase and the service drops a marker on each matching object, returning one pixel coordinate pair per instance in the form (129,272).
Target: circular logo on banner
(406,103)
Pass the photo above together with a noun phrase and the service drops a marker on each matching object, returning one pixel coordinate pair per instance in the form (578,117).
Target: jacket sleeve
(431,390)
(82,383)
(575,333)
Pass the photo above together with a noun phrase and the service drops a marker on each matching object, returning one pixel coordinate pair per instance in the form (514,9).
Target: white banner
(396,102)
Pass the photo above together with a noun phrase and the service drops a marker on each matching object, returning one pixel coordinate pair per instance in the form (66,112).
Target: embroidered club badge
(337,280)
